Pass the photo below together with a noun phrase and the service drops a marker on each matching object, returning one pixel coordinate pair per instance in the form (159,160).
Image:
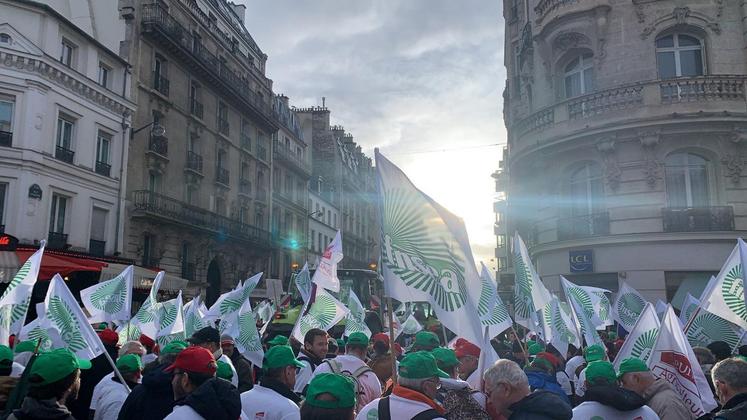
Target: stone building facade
(627,125)
(324,220)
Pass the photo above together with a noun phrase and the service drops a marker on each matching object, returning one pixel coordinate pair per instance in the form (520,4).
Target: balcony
(223,127)
(103,168)
(161,83)
(698,219)
(194,162)
(150,204)
(195,107)
(283,153)
(221,176)
(96,248)
(694,89)
(245,187)
(246,142)
(586,226)
(6,139)
(57,240)
(261,194)
(64,154)
(261,152)
(159,145)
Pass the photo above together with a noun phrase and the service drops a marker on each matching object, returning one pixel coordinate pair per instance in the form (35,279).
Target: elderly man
(659,394)
(507,389)
(605,399)
(730,380)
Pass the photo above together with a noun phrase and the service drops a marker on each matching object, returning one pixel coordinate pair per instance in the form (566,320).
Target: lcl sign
(581,261)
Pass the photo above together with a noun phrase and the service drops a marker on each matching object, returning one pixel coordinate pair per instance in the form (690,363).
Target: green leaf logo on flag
(604,306)
(629,307)
(146,313)
(166,315)
(644,345)
(110,297)
(707,328)
(193,323)
(553,317)
(524,306)
(583,298)
(321,313)
(248,335)
(38,333)
(230,305)
(62,316)
(733,290)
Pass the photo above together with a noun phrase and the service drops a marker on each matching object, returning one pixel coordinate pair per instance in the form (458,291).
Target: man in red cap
(197,393)
(150,347)
(468,355)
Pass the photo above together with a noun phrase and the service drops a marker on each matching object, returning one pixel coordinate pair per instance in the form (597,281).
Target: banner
(582,309)
(14,303)
(661,308)
(193,317)
(725,296)
(355,321)
(145,320)
(411,326)
(559,329)
(111,300)
(493,313)
(323,312)
(590,299)
(303,282)
(325,275)
(227,306)
(171,318)
(248,341)
(36,330)
(642,337)
(530,293)
(706,328)
(628,306)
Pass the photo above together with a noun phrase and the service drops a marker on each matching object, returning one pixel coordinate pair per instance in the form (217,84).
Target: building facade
(627,124)
(323,222)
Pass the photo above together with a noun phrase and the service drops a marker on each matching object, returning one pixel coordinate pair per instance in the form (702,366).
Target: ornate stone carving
(639,13)
(569,40)
(651,166)
(680,14)
(733,166)
(612,171)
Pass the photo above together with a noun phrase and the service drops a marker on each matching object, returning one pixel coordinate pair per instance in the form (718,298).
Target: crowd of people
(362,378)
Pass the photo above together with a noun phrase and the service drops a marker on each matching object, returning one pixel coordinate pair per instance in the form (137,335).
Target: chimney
(284,99)
(239,9)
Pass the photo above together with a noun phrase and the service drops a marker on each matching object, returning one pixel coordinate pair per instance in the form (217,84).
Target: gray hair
(132,347)
(416,384)
(505,371)
(732,372)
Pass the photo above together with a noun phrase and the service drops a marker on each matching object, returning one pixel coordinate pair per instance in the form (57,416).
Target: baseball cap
(227,339)
(129,363)
(205,335)
(630,365)
(174,347)
(600,369)
(554,361)
(278,340)
(612,335)
(420,365)
(445,357)
(108,336)
(463,348)
(426,340)
(146,341)
(55,365)
(357,339)
(340,343)
(535,348)
(224,371)
(280,356)
(194,359)
(594,353)
(384,338)
(340,387)
(23,346)
(6,355)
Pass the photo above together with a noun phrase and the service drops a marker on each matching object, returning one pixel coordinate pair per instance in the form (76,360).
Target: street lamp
(158,130)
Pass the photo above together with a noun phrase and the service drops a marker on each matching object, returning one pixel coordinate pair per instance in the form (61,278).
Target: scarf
(280,388)
(412,395)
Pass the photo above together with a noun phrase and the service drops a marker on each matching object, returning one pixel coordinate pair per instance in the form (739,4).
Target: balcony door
(586,203)
(687,180)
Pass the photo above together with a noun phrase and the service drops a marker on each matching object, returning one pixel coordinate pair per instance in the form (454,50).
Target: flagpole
(390,315)
(690,321)
(523,349)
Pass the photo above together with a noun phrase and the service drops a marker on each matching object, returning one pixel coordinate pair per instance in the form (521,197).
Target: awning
(142,278)
(63,264)
(8,265)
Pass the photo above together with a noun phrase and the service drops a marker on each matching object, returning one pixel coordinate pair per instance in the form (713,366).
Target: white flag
(661,308)
(410,326)
(425,253)
(488,357)
(248,340)
(642,337)
(689,306)
(355,321)
(110,300)
(530,295)
(628,306)
(492,312)
(15,301)
(323,312)
(171,317)
(303,283)
(673,360)
(559,329)
(66,318)
(193,317)
(326,271)
(37,329)
(582,308)
(725,296)
(706,328)
(145,320)
(229,303)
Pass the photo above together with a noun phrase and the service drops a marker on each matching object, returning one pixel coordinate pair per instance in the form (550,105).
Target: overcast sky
(419,79)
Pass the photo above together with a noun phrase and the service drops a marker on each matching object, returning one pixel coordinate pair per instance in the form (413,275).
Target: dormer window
(5,39)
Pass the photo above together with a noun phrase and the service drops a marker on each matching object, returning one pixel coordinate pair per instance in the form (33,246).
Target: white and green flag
(229,303)
(15,301)
(325,275)
(410,326)
(171,318)
(706,328)
(247,339)
(110,300)
(37,329)
(193,317)
(559,329)
(725,296)
(661,308)
(355,321)
(68,322)
(145,320)
(530,294)
(642,337)
(628,306)
(493,313)
(425,253)
(602,307)
(303,282)
(582,308)
(689,306)
(323,312)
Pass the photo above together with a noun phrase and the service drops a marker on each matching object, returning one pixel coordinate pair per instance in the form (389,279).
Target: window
(195,94)
(97,243)
(189,194)
(160,75)
(321,245)
(149,244)
(104,75)
(154,182)
(3,190)
(223,126)
(679,55)
(57,218)
(67,52)
(103,147)
(187,266)
(687,180)
(220,206)
(579,74)
(65,127)
(5,38)
(311,243)
(288,185)
(335,221)
(6,115)
(586,190)
(244,214)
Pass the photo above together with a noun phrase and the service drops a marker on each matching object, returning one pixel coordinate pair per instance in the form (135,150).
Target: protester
(101,368)
(720,349)
(332,348)
(730,380)
(381,359)
(209,338)
(605,399)
(541,376)
(593,353)
(424,341)
(353,364)
(111,393)
(150,347)
(311,355)
(658,393)
(198,394)
(54,379)
(329,396)
(456,396)
(553,356)
(278,340)
(223,371)
(340,346)
(7,382)
(154,398)
(242,366)
(468,355)
(273,397)
(507,389)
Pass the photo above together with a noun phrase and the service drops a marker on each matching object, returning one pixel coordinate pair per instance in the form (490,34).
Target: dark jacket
(735,408)
(33,409)
(215,400)
(539,380)
(244,370)
(89,378)
(152,400)
(541,405)
(614,396)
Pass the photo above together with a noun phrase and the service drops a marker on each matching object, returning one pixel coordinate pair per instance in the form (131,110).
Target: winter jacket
(109,396)
(735,408)
(613,402)
(215,399)
(7,384)
(539,380)
(33,409)
(152,400)
(666,402)
(243,370)
(404,403)
(303,375)
(265,403)
(541,405)
(89,378)
(382,366)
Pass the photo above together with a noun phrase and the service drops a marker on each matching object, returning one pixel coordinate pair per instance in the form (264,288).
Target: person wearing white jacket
(273,397)
(112,393)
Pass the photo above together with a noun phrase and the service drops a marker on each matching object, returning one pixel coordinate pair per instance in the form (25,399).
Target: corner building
(627,127)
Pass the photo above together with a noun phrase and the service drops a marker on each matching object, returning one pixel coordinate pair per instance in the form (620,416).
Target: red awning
(63,264)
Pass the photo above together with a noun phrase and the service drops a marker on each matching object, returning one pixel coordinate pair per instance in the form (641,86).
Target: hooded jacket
(541,405)
(33,409)
(665,401)
(735,408)
(215,399)
(611,401)
(152,400)
(543,381)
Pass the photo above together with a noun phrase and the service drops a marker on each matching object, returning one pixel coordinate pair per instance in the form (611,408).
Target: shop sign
(581,261)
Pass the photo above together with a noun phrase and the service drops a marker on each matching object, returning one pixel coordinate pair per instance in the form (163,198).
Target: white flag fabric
(661,308)
(488,357)
(229,303)
(425,253)
(323,312)
(410,326)
(673,360)
(582,308)
(725,296)
(559,329)
(325,275)
(171,317)
(247,339)
(145,320)
(602,306)
(530,295)
(111,300)
(355,321)
(706,328)
(689,306)
(15,301)
(628,306)
(303,283)
(493,314)
(642,337)
(66,318)
(37,329)
(193,317)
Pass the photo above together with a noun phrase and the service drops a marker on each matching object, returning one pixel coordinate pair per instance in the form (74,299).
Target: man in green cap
(659,394)
(605,399)
(456,395)
(424,341)
(278,340)
(414,394)
(273,396)
(353,364)
(593,353)
(329,396)
(110,392)
(54,378)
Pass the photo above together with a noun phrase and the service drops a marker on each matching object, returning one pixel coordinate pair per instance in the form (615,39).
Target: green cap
(445,357)
(23,346)
(129,363)
(594,353)
(631,364)
(426,340)
(340,343)
(358,338)
(420,365)
(6,355)
(340,387)
(600,370)
(174,347)
(278,340)
(55,365)
(544,364)
(612,335)
(535,348)
(280,356)
(740,357)
(224,371)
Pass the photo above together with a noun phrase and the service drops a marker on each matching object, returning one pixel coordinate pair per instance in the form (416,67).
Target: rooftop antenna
(324,101)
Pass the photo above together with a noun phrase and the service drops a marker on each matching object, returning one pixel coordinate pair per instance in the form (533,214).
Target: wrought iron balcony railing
(196,108)
(96,248)
(223,127)
(194,162)
(159,144)
(222,175)
(245,187)
(64,154)
(103,168)
(56,240)
(282,152)
(698,219)
(161,83)
(6,139)
(585,226)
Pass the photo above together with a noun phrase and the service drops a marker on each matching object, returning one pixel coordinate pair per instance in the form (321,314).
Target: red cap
(147,342)
(109,337)
(397,348)
(550,358)
(380,337)
(463,348)
(196,360)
